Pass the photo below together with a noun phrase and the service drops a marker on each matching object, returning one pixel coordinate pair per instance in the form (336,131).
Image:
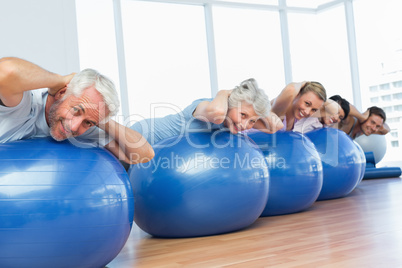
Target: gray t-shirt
(27,121)
(156,129)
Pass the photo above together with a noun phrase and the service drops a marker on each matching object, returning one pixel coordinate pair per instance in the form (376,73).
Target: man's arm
(127,145)
(383,130)
(18,75)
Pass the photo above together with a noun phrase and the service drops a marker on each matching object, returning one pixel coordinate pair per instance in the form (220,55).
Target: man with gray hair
(37,103)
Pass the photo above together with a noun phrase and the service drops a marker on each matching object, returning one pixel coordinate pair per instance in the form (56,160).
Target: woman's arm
(214,111)
(127,145)
(281,103)
(361,117)
(269,124)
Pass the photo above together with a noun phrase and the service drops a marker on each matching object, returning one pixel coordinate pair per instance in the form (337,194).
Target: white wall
(41,31)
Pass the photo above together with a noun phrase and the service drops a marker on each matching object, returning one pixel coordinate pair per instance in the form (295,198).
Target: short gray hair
(90,77)
(249,92)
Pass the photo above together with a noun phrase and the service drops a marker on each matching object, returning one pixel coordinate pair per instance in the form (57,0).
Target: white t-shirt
(307,124)
(27,121)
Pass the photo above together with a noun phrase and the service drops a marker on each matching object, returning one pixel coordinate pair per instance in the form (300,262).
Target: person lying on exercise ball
(372,121)
(374,124)
(37,103)
(297,101)
(239,109)
(328,115)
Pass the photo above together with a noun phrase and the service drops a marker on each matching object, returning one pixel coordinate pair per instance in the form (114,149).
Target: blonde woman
(297,101)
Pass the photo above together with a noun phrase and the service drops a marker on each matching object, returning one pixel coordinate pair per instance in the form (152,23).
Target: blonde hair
(315,87)
(249,92)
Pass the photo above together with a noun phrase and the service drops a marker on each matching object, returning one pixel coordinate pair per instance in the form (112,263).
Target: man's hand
(64,81)
(127,145)
(18,75)
(364,116)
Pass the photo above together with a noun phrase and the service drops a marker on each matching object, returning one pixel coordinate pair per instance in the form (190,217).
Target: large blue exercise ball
(363,160)
(62,206)
(341,162)
(295,171)
(200,184)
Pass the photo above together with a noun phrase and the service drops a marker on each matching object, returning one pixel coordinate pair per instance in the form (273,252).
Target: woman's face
(307,104)
(333,113)
(240,118)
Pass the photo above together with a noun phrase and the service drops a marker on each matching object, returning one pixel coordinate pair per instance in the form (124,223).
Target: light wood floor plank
(363,229)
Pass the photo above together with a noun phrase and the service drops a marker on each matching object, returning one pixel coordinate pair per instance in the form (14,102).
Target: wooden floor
(363,229)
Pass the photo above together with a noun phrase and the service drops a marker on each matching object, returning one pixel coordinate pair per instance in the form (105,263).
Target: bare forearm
(269,124)
(216,110)
(18,75)
(128,145)
(357,114)
(383,130)
(281,103)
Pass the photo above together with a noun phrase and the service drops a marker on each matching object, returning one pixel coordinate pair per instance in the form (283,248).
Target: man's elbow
(149,157)
(387,128)
(7,71)
(142,158)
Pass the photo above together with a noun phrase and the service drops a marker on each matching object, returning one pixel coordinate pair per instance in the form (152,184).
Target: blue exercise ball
(200,184)
(62,206)
(295,171)
(363,160)
(341,162)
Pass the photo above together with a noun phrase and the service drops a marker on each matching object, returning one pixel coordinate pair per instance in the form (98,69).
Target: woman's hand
(269,124)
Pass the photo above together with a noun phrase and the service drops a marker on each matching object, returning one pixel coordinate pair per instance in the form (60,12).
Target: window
(97,45)
(393,120)
(397,96)
(263,2)
(385,86)
(166,57)
(318,43)
(248,45)
(386,98)
(395,143)
(373,88)
(394,134)
(377,48)
(306,3)
(387,109)
(397,84)
(378,40)
(398,108)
